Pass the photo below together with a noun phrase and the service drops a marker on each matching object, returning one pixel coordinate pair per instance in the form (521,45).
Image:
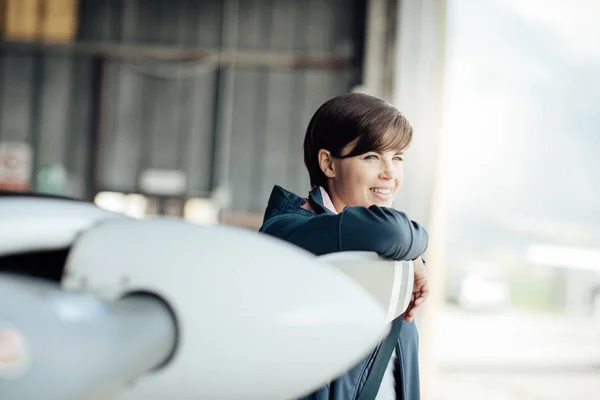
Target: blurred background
(196,108)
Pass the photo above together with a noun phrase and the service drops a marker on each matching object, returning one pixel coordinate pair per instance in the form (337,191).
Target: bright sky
(522,129)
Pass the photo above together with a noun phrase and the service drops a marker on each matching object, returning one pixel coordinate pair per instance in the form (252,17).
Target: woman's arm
(388,232)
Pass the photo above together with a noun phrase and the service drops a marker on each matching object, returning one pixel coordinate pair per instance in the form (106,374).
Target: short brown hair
(373,123)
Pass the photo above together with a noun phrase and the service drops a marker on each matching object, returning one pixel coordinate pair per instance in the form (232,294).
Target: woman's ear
(326,163)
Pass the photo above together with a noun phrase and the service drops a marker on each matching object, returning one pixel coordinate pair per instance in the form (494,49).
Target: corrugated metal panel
(273,107)
(53,113)
(166,115)
(17,70)
(160,114)
(44,103)
(79,140)
(270,108)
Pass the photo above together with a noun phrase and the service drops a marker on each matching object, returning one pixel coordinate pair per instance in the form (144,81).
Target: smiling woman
(353,150)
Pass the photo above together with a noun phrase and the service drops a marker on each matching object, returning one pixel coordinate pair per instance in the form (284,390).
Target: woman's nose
(387,170)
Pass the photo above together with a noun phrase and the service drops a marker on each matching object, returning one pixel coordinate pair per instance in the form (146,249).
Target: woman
(353,150)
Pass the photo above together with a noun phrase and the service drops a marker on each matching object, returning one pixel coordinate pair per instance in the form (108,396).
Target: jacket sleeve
(386,231)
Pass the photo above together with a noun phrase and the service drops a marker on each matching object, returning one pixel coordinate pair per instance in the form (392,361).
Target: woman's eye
(398,158)
(371,157)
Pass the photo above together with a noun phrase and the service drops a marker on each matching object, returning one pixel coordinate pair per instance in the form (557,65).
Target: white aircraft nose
(257,317)
(34,224)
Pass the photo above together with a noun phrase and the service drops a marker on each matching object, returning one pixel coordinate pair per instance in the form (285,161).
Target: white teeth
(382,191)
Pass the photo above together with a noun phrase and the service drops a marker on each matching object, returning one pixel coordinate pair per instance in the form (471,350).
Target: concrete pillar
(418,92)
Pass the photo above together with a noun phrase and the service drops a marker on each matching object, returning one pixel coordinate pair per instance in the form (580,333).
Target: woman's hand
(420,291)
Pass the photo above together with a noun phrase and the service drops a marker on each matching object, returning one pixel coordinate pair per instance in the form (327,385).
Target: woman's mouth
(382,193)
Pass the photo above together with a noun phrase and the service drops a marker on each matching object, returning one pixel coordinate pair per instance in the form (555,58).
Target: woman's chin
(382,203)
(386,204)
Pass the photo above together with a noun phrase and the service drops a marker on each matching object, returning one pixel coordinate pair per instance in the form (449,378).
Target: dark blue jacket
(386,231)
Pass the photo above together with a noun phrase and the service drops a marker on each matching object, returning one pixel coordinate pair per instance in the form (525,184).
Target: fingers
(406,316)
(425,289)
(418,297)
(423,295)
(410,312)
(416,301)
(409,315)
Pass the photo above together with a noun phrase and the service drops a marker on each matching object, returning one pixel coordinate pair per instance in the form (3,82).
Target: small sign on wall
(163,182)
(15,165)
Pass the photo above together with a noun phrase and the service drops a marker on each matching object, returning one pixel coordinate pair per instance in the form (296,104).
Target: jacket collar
(283,201)
(315,197)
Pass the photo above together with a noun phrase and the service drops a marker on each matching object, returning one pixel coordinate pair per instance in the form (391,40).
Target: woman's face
(372,178)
